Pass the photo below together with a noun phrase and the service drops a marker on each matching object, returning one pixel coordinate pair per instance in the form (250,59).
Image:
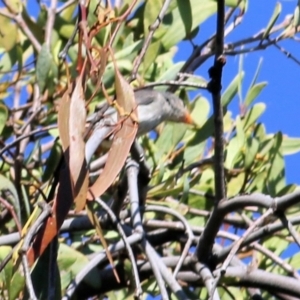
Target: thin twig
(187,229)
(133,239)
(146,44)
(11,209)
(138,291)
(27,239)
(50,22)
(24,136)
(27,276)
(194,85)
(132,169)
(65,5)
(289,226)
(208,280)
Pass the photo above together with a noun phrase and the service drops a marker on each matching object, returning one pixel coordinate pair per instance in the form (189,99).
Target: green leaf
(232,89)
(276,176)
(290,145)
(257,71)
(296,20)
(40,275)
(131,49)
(185,189)
(185,10)
(171,73)
(71,262)
(43,66)
(6,184)
(151,55)
(234,186)
(233,151)
(207,129)
(277,245)
(7,272)
(200,111)
(273,20)
(151,11)
(17,282)
(169,139)
(252,147)
(52,161)
(193,153)
(253,92)
(3,116)
(202,10)
(9,32)
(253,114)
(258,183)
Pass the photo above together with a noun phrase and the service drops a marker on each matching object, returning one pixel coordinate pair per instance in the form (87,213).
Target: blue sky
(282,74)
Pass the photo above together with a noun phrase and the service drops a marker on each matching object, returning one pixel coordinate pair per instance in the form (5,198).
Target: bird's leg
(124,113)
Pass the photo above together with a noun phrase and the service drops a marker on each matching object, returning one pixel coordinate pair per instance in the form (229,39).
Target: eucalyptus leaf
(43,67)
(7,185)
(272,21)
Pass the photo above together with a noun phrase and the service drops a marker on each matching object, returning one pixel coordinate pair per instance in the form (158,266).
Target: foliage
(48,94)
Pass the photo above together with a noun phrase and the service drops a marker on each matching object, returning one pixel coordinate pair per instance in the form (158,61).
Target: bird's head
(175,109)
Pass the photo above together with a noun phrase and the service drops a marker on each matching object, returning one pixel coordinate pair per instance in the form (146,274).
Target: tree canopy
(184,212)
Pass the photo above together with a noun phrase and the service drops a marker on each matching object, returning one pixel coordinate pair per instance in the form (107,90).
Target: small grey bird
(153,108)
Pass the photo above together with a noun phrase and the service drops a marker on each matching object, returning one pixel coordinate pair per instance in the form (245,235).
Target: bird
(153,108)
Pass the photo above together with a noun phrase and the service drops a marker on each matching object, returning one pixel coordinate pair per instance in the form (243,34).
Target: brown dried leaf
(60,209)
(123,138)
(63,120)
(77,163)
(95,221)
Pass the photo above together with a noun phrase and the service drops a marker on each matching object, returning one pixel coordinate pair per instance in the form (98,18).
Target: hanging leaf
(125,134)
(9,32)
(253,114)
(6,184)
(185,10)
(43,66)
(253,92)
(3,116)
(77,163)
(251,151)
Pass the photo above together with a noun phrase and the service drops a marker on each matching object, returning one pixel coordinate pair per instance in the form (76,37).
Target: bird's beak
(189,120)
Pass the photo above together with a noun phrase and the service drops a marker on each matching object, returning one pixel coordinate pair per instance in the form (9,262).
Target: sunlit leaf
(232,89)
(123,138)
(151,11)
(77,163)
(253,114)
(252,146)
(276,13)
(151,55)
(8,36)
(234,186)
(253,92)
(290,145)
(43,66)
(276,176)
(3,116)
(7,273)
(202,9)
(185,10)
(71,262)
